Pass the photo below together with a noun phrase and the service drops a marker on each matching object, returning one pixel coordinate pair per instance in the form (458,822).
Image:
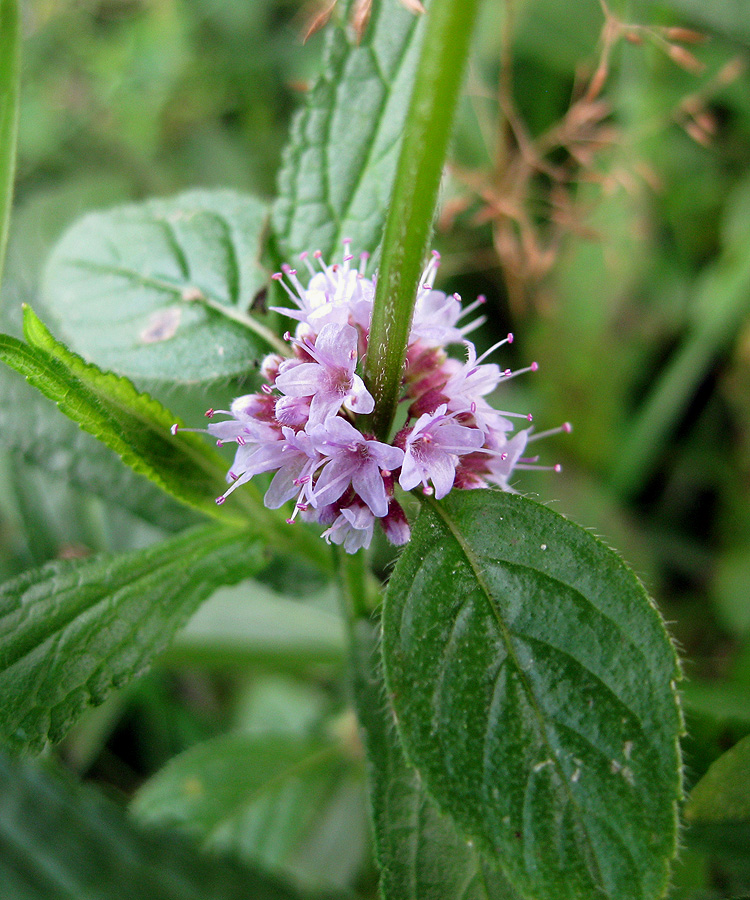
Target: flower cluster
(305,424)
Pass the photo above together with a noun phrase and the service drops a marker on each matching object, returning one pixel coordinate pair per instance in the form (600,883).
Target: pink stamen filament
(566,428)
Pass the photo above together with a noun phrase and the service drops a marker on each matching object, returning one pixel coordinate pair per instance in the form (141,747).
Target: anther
(174,429)
(220,500)
(209,413)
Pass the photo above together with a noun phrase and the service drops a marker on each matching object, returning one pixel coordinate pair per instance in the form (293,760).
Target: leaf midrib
(506,636)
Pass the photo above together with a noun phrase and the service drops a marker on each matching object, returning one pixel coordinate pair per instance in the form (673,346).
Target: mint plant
(514,685)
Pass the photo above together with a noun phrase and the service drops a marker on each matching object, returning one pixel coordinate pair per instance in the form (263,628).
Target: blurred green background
(628,280)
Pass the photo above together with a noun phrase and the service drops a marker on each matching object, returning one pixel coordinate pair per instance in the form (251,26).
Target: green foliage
(9,78)
(284,800)
(30,425)
(420,853)
(510,637)
(720,307)
(134,425)
(640,328)
(723,794)
(251,627)
(183,271)
(72,631)
(336,178)
(61,841)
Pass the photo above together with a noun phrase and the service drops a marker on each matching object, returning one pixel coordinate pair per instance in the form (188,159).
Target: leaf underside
(59,841)
(125,286)
(533,684)
(277,800)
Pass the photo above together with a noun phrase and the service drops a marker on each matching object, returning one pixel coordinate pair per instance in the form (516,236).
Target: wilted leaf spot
(162,325)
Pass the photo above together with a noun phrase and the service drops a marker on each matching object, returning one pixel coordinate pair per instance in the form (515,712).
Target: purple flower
(352,527)
(297,461)
(436,315)
(330,380)
(432,450)
(338,294)
(503,460)
(352,459)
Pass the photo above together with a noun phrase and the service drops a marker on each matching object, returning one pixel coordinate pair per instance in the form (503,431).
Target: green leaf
(285,801)
(60,841)
(338,168)
(250,626)
(161,290)
(723,794)
(10,64)
(533,684)
(420,853)
(30,425)
(73,630)
(134,425)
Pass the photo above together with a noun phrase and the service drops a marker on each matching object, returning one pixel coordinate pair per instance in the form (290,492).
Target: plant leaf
(10,64)
(420,853)
(337,172)
(134,425)
(30,425)
(276,799)
(723,794)
(152,290)
(73,630)
(532,681)
(60,840)
(249,626)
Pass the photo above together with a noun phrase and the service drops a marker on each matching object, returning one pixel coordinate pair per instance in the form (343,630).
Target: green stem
(360,590)
(407,229)
(10,56)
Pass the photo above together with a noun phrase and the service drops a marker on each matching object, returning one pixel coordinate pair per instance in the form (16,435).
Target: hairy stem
(407,229)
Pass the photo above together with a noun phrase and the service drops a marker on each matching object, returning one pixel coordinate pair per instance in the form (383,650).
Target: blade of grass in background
(9,74)
(722,305)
